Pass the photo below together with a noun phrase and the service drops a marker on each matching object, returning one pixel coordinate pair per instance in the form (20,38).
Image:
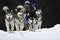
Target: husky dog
(32,24)
(32,20)
(19,24)
(9,20)
(39,19)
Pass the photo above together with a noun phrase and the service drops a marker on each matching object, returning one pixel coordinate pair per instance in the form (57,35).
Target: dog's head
(38,12)
(32,20)
(39,16)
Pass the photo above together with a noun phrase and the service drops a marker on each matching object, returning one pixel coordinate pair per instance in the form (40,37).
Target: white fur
(5,8)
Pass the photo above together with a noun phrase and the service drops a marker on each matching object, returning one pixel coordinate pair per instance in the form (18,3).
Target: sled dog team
(18,19)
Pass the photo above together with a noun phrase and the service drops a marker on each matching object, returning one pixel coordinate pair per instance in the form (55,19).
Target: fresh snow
(40,34)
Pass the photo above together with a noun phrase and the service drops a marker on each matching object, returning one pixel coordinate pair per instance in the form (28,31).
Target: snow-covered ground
(41,34)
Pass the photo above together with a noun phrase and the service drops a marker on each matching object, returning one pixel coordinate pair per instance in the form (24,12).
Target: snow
(40,34)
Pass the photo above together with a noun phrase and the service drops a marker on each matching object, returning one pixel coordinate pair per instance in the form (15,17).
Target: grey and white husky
(19,24)
(39,18)
(9,20)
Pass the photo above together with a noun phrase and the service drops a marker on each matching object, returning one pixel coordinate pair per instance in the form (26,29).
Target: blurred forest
(50,9)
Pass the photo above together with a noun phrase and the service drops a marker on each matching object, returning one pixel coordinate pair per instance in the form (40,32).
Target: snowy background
(41,34)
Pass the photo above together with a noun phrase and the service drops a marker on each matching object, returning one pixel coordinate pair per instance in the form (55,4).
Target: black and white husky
(9,20)
(35,20)
(32,20)
(32,24)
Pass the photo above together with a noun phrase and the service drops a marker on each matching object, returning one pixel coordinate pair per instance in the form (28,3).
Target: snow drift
(40,34)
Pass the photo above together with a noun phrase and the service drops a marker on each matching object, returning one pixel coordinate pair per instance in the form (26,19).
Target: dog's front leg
(34,27)
(7,25)
(39,24)
(12,25)
(21,26)
(17,24)
(30,27)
